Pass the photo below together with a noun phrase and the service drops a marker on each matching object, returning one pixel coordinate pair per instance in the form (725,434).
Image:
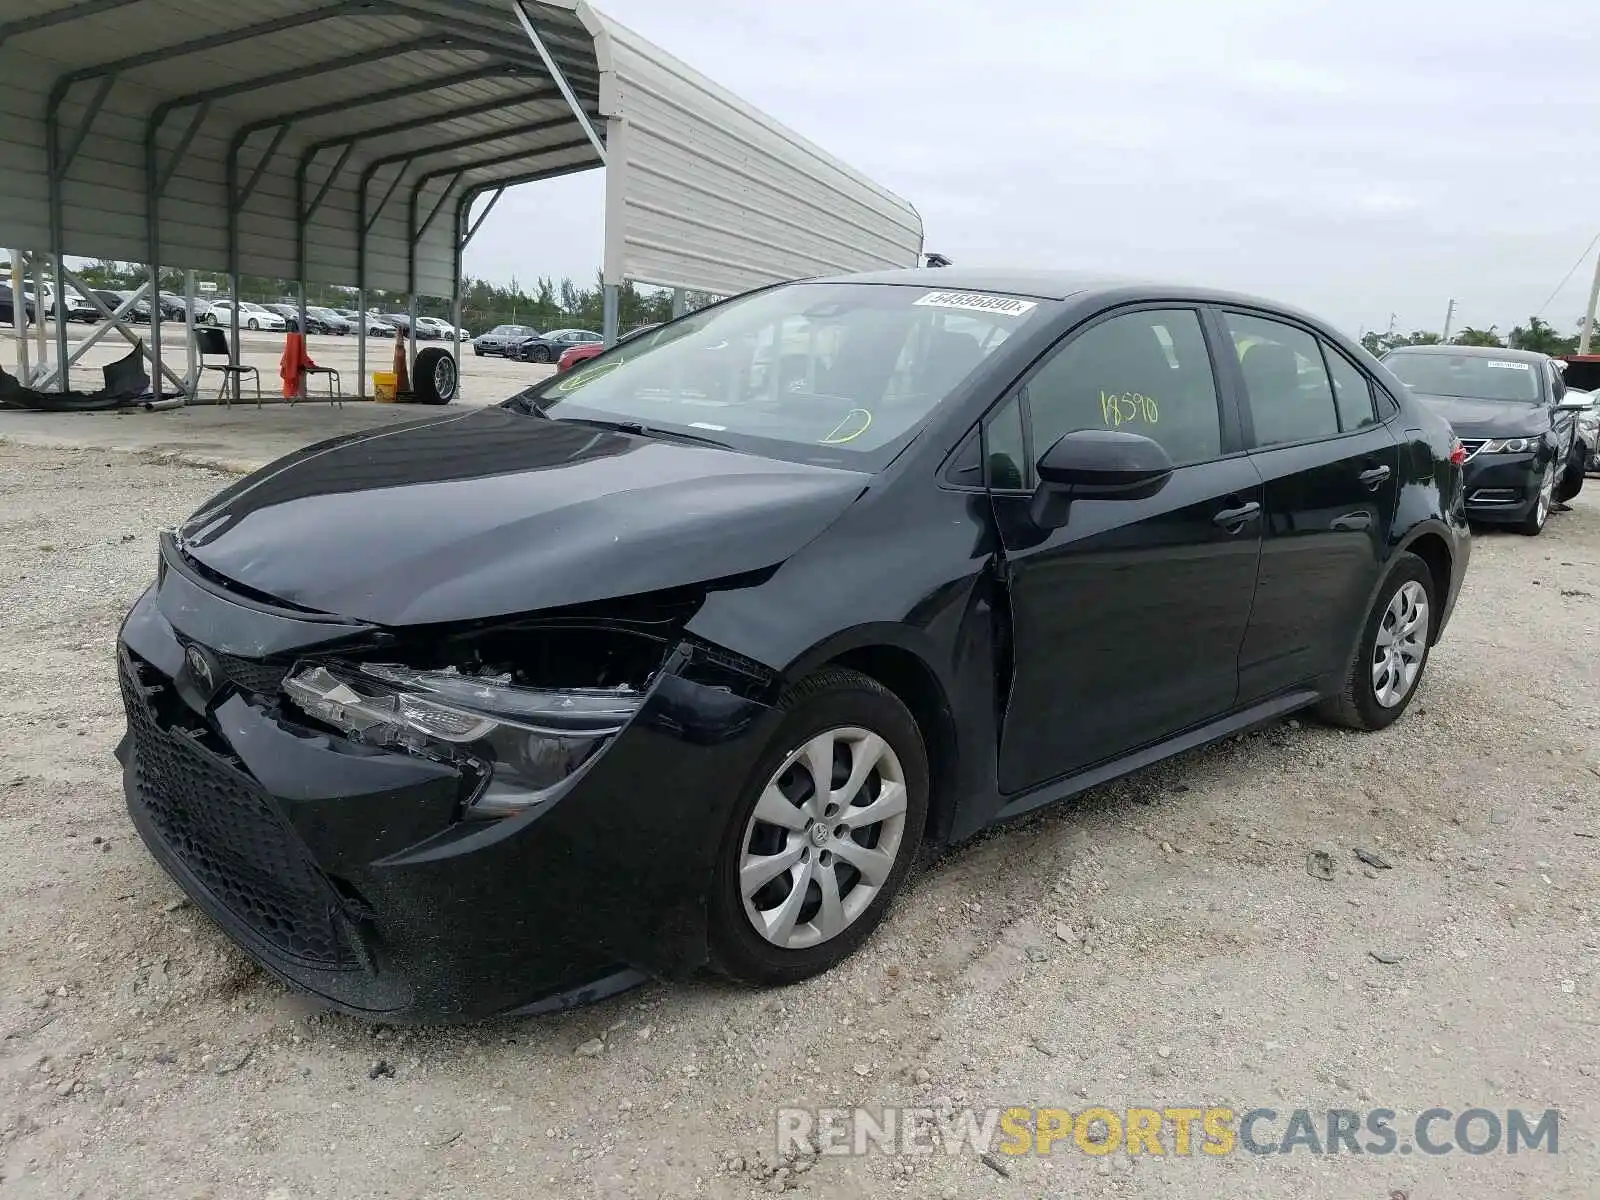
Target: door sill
(1237,722)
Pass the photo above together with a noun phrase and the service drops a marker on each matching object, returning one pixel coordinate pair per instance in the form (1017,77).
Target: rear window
(1472,376)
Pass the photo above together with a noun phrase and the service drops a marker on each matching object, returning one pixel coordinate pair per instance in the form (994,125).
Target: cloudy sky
(1356,158)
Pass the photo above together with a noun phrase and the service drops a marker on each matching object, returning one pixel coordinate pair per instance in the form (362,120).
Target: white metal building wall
(706,192)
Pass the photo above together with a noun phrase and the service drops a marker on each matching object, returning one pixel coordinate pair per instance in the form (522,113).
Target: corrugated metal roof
(295,104)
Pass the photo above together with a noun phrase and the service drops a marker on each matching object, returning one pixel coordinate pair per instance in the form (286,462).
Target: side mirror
(1097,464)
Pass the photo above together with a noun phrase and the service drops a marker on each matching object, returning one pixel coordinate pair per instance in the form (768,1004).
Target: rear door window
(1286,382)
(1352,391)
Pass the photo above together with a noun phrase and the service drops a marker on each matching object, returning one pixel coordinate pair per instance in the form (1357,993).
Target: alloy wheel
(1547,491)
(444,377)
(823,838)
(1401,644)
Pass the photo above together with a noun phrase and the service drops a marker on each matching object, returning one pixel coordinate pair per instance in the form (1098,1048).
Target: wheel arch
(896,658)
(1432,546)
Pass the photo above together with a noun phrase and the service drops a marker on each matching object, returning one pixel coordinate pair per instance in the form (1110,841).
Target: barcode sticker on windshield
(1509,366)
(1004,306)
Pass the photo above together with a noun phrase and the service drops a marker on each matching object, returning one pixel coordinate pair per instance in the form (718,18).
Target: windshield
(1471,376)
(834,373)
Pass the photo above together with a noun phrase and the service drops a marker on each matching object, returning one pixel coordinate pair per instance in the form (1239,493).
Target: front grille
(222,827)
(257,678)
(1473,445)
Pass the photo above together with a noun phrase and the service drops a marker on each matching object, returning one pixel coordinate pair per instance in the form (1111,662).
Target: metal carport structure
(351,143)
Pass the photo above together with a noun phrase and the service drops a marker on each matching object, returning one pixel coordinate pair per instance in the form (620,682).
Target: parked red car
(577,354)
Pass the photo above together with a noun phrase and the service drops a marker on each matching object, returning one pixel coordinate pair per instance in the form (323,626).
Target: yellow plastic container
(383,387)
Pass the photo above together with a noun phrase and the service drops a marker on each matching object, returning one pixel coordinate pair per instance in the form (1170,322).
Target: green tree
(1541,336)
(1478,337)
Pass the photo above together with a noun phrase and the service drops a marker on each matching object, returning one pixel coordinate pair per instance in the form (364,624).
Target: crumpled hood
(1487,418)
(495,512)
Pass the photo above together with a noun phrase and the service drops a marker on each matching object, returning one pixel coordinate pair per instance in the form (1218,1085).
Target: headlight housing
(523,741)
(1517,445)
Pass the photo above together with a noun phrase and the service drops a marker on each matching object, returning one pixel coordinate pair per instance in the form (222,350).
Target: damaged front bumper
(351,871)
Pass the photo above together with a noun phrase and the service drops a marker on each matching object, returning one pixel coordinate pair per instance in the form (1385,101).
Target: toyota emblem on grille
(200,669)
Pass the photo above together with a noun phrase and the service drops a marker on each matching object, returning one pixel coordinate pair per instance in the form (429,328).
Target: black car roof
(1082,286)
(1529,356)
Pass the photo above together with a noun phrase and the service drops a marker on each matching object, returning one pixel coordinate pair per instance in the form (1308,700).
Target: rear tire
(1395,616)
(861,727)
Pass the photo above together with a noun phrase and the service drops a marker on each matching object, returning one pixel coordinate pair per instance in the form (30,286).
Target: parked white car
(251,316)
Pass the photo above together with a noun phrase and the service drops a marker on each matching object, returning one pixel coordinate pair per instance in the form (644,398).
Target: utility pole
(1588,313)
(1449,315)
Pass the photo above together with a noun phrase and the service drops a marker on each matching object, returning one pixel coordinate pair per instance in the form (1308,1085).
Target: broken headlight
(524,741)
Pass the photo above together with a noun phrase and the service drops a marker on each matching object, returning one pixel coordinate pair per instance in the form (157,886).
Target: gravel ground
(1159,942)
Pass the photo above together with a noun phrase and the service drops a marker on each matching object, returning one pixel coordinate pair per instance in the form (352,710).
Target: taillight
(1458,452)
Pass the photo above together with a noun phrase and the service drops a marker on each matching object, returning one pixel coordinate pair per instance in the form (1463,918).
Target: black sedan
(548,347)
(677,658)
(1509,409)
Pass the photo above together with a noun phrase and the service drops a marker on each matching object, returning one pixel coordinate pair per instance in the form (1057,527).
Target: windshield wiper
(524,404)
(639,429)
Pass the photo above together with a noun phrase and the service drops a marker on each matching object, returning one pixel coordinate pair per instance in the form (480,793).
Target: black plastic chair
(212,341)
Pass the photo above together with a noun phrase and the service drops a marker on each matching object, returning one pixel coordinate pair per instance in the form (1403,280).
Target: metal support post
(411,338)
(59,303)
(192,375)
(1587,337)
(155,321)
(361,338)
(19,317)
(680,303)
(233,325)
(610,301)
(39,314)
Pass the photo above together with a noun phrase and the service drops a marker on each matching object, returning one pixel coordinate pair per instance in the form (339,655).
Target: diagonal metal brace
(261,166)
(96,103)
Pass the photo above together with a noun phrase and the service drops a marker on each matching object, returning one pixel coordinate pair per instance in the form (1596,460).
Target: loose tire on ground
(1357,706)
(435,377)
(831,702)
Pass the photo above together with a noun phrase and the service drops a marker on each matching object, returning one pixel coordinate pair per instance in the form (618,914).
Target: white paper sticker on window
(1509,366)
(1004,306)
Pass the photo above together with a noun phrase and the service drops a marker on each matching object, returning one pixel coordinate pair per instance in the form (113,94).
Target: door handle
(1235,519)
(1373,476)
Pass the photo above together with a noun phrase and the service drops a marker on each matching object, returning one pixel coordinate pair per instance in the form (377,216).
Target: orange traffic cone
(402,375)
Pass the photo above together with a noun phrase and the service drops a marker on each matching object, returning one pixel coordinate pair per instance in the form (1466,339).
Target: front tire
(540,354)
(806,872)
(1386,669)
(1572,479)
(253,325)
(1533,524)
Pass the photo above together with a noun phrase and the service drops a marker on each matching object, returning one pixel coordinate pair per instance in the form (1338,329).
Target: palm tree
(1478,337)
(1541,336)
